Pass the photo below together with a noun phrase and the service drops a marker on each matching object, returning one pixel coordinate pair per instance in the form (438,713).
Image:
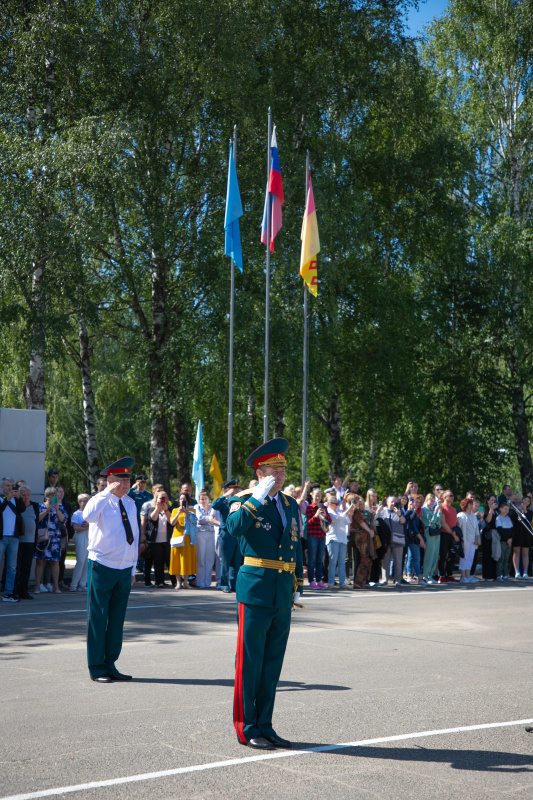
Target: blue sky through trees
(427,11)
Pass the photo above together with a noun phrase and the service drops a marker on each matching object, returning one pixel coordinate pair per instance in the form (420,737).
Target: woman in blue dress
(48,546)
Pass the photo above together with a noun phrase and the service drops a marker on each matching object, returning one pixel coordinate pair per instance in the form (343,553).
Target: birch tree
(482,54)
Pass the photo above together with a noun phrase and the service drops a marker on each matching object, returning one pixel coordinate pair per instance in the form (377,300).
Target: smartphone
(53,501)
(163,499)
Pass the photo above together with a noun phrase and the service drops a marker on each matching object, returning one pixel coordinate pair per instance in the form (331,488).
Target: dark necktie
(274,501)
(126,523)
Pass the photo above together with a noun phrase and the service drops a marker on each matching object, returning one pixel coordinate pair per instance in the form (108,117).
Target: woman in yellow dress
(183,543)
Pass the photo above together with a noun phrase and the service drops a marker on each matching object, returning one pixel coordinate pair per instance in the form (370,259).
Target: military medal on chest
(294,530)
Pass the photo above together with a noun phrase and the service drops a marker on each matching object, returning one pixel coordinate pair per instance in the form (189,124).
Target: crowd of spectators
(410,538)
(348,540)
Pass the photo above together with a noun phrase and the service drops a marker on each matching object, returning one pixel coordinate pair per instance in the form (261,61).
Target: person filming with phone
(159,532)
(11,528)
(48,547)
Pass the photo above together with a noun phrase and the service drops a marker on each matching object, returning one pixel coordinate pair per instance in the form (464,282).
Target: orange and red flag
(310,243)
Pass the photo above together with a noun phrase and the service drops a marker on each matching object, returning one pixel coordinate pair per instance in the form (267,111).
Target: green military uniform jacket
(262,535)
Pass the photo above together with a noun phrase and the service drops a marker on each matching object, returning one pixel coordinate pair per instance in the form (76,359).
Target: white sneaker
(517,577)
(43,588)
(473,579)
(525,577)
(73,589)
(464,580)
(82,588)
(49,587)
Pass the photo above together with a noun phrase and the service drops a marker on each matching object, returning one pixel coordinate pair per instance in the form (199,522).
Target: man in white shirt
(11,507)
(113,547)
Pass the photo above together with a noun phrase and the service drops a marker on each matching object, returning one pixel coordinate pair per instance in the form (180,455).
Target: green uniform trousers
(261,644)
(107,600)
(431,556)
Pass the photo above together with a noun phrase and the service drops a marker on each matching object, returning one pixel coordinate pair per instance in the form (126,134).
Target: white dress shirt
(107,536)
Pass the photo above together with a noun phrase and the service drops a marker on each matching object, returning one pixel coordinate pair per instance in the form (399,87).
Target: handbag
(397,539)
(178,540)
(43,534)
(377,541)
(434,531)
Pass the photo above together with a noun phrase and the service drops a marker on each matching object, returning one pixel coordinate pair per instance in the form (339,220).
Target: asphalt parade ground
(391,693)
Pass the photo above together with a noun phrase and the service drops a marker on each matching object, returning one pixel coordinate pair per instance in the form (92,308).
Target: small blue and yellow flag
(233,214)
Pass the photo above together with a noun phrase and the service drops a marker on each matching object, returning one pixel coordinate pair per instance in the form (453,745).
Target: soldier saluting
(267,523)
(113,549)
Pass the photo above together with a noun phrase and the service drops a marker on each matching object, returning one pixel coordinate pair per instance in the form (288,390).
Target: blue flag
(198,462)
(233,214)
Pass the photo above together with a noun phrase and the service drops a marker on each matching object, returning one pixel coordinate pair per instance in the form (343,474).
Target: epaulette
(241,494)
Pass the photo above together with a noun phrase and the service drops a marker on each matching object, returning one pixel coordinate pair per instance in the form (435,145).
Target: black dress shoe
(25,596)
(118,676)
(259,743)
(102,679)
(226,591)
(277,741)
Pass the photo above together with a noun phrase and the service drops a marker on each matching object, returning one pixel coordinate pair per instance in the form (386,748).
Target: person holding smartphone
(48,548)
(11,527)
(159,531)
(183,558)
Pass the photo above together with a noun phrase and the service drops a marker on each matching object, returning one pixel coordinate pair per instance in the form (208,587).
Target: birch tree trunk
(158,407)
(180,447)
(279,425)
(88,404)
(34,387)
(332,423)
(372,457)
(251,411)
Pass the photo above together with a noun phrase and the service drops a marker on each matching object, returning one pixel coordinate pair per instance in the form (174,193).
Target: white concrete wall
(23,447)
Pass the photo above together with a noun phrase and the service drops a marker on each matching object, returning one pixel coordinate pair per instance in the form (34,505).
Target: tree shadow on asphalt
(283,686)
(38,630)
(468,760)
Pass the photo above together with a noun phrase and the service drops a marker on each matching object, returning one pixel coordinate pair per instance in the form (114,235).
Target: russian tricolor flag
(274,195)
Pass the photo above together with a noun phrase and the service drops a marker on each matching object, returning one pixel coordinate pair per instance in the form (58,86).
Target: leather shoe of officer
(118,676)
(102,679)
(259,743)
(277,741)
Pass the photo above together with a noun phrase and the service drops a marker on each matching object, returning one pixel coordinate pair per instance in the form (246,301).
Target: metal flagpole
(267,304)
(306,331)
(231,319)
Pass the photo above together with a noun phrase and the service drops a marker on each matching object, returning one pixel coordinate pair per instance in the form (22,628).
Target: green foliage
(117,186)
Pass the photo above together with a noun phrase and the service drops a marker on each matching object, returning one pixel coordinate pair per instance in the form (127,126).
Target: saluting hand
(263,487)
(112,487)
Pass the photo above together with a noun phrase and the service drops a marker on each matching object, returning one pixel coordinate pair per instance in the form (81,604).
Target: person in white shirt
(81,540)
(208,524)
(338,487)
(159,533)
(337,539)
(467,521)
(113,547)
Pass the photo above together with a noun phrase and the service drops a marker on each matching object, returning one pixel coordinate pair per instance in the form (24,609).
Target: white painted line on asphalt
(130,608)
(148,776)
(353,595)
(457,592)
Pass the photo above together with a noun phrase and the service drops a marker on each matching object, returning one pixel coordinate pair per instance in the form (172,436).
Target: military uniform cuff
(253,506)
